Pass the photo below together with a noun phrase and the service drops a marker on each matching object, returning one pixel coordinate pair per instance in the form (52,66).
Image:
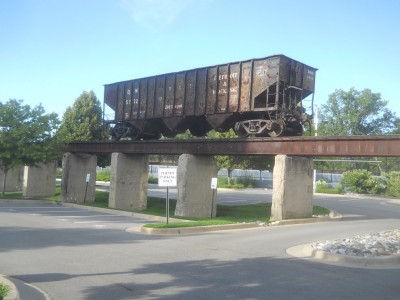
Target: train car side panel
(143,98)
(245,84)
(135,100)
(201,92)
(190,93)
(234,77)
(151,97)
(159,103)
(127,105)
(223,88)
(111,95)
(169,95)
(309,79)
(259,82)
(212,85)
(180,94)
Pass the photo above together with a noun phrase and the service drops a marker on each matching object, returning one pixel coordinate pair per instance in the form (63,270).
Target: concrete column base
(76,169)
(292,196)
(128,181)
(14,180)
(39,181)
(195,196)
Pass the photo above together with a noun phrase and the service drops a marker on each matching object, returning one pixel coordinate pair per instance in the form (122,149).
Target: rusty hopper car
(258,97)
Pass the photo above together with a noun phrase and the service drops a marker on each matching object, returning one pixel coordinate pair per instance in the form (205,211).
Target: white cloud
(155,13)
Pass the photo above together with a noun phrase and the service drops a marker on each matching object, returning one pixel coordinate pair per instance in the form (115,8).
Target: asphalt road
(73,253)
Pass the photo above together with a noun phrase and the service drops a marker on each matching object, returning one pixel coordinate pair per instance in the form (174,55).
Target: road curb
(308,252)
(333,216)
(21,290)
(13,294)
(197,229)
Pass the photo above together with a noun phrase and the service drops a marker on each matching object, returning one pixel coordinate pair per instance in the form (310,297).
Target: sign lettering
(167,176)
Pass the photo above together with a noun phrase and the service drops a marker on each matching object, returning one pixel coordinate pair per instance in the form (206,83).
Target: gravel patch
(380,244)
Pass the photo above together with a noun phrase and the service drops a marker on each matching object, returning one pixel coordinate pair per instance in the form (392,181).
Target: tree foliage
(82,121)
(232,162)
(26,135)
(362,181)
(355,113)
(393,184)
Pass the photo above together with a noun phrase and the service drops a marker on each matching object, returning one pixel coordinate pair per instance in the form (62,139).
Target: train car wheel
(240,130)
(134,133)
(277,128)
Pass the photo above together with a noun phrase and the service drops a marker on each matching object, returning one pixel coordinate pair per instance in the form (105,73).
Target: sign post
(87,183)
(167,178)
(214,184)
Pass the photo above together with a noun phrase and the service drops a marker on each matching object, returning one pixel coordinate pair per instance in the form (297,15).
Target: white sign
(167,176)
(214,183)
(87,177)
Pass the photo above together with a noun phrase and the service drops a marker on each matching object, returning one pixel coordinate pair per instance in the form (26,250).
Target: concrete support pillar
(14,179)
(78,177)
(195,196)
(292,195)
(40,181)
(128,181)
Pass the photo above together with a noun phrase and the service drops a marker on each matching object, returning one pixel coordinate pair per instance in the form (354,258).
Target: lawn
(226,214)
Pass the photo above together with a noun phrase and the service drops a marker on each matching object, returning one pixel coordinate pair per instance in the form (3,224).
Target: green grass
(18,195)
(13,195)
(226,214)
(4,290)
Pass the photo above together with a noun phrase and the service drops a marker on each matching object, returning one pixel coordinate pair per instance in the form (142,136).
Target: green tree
(355,113)
(227,162)
(397,128)
(82,121)
(232,162)
(26,136)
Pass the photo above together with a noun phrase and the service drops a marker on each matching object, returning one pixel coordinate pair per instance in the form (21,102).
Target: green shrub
(362,182)
(59,173)
(393,184)
(248,182)
(236,183)
(4,290)
(153,179)
(376,186)
(103,175)
(323,187)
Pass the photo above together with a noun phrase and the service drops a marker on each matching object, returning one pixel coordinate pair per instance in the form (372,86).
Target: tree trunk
(4,183)
(229,176)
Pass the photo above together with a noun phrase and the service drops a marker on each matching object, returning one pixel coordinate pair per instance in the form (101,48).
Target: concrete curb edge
(13,294)
(308,252)
(333,216)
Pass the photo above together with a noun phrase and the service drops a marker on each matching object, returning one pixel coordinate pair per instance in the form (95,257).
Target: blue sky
(53,50)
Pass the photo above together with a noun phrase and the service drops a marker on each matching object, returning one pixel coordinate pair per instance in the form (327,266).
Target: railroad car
(257,97)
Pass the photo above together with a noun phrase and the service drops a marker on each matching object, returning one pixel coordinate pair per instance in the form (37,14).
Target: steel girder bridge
(351,146)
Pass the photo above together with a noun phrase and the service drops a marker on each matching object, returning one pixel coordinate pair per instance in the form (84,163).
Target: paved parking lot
(73,253)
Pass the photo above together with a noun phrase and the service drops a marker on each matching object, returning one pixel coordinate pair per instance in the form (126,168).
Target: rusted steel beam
(381,146)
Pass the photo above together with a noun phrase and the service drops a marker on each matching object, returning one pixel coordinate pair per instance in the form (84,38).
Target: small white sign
(214,183)
(167,176)
(87,177)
